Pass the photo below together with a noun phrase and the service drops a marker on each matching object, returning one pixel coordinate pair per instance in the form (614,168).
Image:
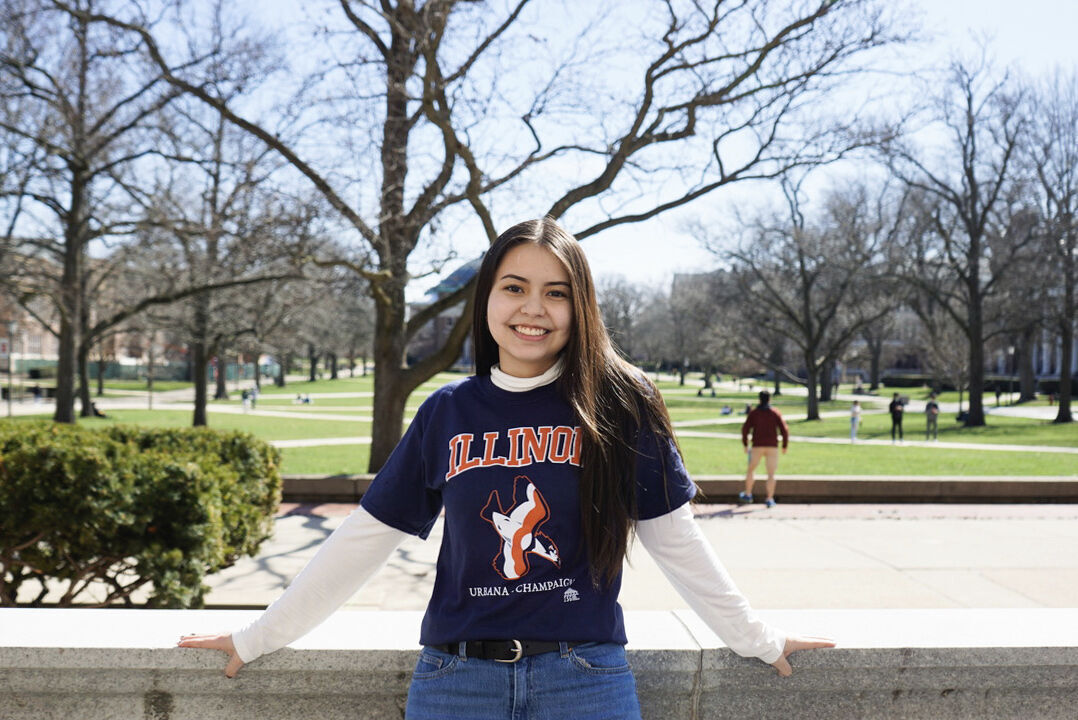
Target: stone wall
(121,664)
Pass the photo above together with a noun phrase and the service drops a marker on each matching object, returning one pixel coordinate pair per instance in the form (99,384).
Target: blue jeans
(588,682)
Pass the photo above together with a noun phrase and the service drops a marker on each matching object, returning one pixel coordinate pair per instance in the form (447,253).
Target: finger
(233,666)
(809,643)
(782,667)
(213,642)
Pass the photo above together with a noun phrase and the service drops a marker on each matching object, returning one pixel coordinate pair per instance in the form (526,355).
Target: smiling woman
(543,462)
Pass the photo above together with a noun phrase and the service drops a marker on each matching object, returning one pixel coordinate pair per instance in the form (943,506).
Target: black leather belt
(507,651)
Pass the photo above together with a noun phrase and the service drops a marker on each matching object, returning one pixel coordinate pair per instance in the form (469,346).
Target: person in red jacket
(765,424)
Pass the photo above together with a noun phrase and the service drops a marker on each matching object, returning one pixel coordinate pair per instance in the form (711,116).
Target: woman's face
(530,310)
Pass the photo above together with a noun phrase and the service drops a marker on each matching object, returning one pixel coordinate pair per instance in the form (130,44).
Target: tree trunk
(282,365)
(312,360)
(82,357)
(1065,364)
(101,377)
(813,405)
(200,361)
(875,349)
(70,320)
(828,372)
(1027,379)
(389,393)
(776,362)
(258,373)
(200,354)
(332,365)
(976,359)
(390,390)
(149,371)
(220,391)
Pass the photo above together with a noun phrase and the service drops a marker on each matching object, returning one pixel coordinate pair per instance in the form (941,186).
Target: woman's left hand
(793,644)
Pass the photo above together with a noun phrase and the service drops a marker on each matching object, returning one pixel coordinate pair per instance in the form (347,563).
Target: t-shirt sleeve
(662,482)
(402,495)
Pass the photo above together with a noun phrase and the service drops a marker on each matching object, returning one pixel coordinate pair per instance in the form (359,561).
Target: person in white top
(539,336)
(855,419)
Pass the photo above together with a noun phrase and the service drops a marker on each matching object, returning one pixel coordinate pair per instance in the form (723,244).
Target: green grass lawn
(288,400)
(325,460)
(694,381)
(341,385)
(703,456)
(690,407)
(1000,430)
(302,387)
(158,385)
(706,456)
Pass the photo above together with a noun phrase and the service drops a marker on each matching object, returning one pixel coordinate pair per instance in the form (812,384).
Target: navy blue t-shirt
(505,466)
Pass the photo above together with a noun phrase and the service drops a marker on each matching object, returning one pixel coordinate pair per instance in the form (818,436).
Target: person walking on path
(932,416)
(544,462)
(896,408)
(855,419)
(765,424)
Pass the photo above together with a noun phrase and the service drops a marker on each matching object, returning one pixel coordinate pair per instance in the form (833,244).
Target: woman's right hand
(216,642)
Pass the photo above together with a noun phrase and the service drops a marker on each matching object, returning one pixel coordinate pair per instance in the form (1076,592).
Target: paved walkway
(793,556)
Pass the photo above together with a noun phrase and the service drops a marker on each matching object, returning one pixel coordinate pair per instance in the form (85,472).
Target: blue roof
(456,279)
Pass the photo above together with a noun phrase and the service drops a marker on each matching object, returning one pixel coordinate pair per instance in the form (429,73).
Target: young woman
(545,462)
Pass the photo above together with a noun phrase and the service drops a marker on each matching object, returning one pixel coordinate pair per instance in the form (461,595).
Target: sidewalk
(790,557)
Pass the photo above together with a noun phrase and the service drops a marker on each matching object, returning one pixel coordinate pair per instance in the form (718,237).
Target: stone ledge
(792,488)
(105,664)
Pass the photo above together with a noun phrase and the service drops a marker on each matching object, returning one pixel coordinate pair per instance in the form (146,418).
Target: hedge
(99,514)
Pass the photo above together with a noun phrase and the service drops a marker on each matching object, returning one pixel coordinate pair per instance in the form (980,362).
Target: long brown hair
(612,400)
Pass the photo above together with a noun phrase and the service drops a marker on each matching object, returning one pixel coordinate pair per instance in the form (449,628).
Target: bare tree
(86,107)
(944,346)
(726,83)
(875,336)
(653,331)
(1053,154)
(621,302)
(965,196)
(89,109)
(691,315)
(810,283)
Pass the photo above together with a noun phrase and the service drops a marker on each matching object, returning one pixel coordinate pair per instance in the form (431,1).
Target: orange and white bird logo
(518,527)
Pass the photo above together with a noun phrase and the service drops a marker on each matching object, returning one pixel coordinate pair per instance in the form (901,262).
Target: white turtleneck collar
(517,384)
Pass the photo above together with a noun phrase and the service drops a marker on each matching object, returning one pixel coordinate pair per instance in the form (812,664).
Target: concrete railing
(120,664)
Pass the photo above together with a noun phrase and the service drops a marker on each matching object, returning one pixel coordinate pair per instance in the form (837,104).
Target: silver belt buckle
(518,649)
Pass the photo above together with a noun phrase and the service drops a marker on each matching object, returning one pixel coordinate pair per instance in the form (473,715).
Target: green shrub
(127,509)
